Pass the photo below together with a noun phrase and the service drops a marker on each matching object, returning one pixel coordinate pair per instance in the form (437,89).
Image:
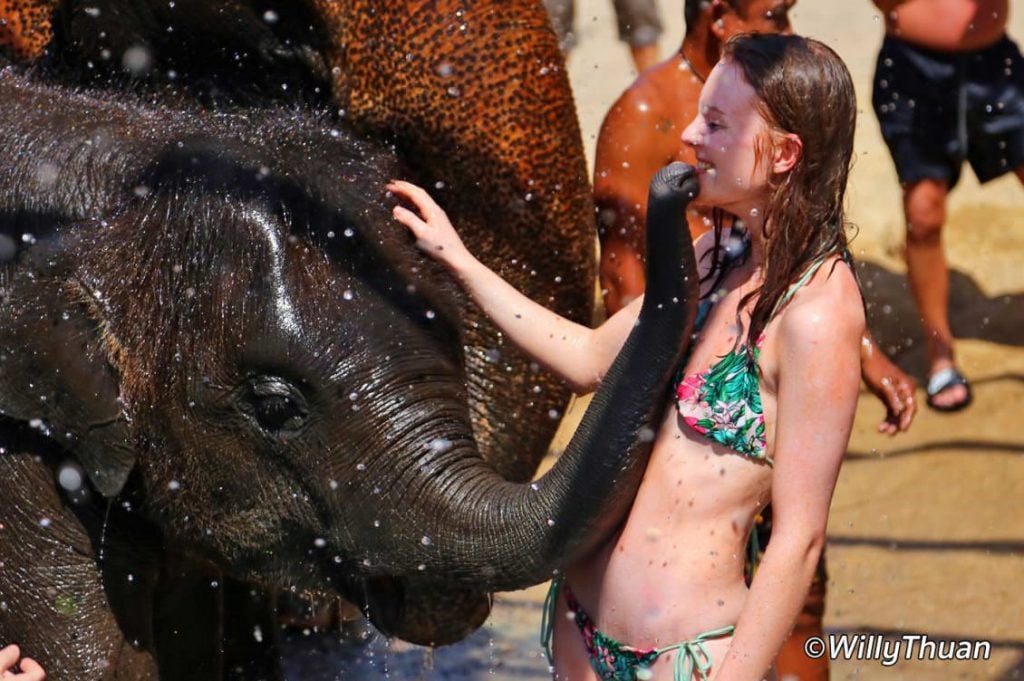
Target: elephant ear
(54,373)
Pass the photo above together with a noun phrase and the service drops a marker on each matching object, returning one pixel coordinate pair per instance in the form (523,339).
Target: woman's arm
(578,355)
(819,366)
(30,669)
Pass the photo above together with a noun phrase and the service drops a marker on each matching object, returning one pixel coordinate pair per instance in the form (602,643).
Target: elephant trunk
(487,532)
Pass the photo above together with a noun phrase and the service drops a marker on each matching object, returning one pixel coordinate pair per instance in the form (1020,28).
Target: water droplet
(360,466)
(270,16)
(426,541)
(257,634)
(137,59)
(553,414)
(439,444)
(44,522)
(319,542)
(174,485)
(551,522)
(347,294)
(333,484)
(70,477)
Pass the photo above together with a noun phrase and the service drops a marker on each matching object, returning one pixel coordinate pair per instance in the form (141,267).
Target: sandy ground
(926,534)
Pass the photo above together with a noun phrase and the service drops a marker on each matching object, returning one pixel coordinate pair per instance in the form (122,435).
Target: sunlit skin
(642,132)
(675,569)
(948,26)
(9,661)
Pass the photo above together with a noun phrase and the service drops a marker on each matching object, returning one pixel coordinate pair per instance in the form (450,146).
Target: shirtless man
(949,87)
(640,134)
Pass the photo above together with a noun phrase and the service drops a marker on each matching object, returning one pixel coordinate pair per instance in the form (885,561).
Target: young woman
(764,401)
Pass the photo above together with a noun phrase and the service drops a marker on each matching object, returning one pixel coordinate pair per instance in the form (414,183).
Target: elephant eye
(276,405)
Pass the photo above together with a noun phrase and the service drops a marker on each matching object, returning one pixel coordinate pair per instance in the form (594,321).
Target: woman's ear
(788,150)
(721,12)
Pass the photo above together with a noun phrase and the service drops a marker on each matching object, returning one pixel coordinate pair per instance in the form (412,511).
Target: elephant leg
(251,650)
(52,597)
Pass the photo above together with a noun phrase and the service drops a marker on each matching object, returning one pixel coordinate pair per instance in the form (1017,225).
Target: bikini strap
(547,619)
(693,656)
(799,283)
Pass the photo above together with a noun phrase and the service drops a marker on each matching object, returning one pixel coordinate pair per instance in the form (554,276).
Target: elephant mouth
(383,602)
(416,612)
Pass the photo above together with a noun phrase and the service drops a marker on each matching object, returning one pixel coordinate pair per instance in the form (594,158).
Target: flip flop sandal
(942,381)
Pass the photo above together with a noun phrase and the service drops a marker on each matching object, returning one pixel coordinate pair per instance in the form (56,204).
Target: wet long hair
(803,88)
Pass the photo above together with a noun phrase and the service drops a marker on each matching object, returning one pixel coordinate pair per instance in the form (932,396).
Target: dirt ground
(926,533)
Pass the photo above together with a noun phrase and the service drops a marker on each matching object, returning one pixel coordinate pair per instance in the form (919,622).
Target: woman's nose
(693,134)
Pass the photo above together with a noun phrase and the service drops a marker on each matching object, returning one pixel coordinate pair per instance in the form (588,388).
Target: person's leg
(562,15)
(640,27)
(793,662)
(924,204)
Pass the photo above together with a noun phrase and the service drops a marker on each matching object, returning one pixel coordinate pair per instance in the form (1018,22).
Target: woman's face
(724,136)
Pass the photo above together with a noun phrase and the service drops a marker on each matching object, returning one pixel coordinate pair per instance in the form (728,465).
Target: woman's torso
(676,568)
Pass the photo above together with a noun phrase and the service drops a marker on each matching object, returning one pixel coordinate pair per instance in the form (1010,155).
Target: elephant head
(214,310)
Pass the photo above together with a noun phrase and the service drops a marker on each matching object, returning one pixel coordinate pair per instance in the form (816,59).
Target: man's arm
(632,145)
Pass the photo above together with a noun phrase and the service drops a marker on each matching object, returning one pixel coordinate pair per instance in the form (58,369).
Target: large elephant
(207,312)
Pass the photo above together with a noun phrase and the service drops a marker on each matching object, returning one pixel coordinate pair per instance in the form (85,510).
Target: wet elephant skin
(175,324)
(276,404)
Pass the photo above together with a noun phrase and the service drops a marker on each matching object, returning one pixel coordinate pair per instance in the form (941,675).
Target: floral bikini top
(723,403)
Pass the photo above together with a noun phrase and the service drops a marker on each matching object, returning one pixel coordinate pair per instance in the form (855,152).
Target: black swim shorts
(938,109)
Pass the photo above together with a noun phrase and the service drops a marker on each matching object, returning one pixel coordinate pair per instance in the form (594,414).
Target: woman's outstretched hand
(30,669)
(433,231)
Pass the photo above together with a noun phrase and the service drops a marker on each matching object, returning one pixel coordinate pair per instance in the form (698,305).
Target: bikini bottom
(615,661)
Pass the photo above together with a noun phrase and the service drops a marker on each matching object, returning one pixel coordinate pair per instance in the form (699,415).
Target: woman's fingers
(418,196)
(31,671)
(9,657)
(409,219)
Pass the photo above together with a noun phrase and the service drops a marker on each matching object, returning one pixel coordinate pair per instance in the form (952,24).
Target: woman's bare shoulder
(829,306)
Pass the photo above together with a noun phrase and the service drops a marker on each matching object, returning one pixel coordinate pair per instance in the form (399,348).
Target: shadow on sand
(896,325)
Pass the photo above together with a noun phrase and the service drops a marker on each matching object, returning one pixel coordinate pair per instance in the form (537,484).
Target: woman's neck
(752,221)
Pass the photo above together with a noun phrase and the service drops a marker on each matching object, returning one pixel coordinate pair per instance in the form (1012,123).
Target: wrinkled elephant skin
(211,320)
